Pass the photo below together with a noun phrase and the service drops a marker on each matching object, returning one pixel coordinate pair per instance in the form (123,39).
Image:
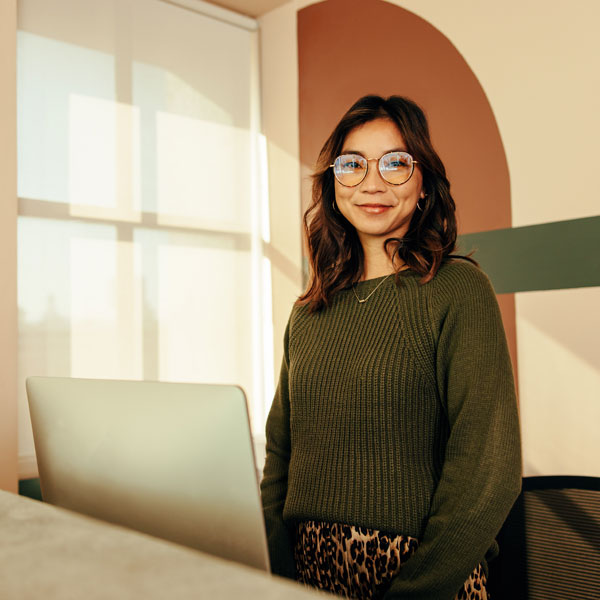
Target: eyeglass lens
(395,168)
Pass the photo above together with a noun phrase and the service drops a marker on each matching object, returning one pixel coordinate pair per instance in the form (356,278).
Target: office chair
(550,542)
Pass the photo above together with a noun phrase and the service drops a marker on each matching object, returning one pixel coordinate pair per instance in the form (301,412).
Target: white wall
(8,246)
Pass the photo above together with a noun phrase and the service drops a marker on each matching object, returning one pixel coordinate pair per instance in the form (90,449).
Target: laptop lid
(173,460)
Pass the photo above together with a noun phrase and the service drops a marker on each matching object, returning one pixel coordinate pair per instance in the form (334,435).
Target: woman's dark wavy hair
(335,253)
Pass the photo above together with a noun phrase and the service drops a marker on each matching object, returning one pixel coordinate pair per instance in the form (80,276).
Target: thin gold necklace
(361,300)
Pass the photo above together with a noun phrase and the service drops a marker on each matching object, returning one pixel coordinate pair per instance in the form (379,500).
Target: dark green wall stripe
(560,255)
(30,488)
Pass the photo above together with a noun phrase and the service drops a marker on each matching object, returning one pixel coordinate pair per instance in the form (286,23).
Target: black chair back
(550,542)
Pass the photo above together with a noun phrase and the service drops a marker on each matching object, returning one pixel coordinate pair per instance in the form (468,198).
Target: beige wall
(538,64)
(8,246)
(279,89)
(559,380)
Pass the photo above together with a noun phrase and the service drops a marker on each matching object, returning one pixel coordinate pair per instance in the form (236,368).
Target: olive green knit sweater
(398,414)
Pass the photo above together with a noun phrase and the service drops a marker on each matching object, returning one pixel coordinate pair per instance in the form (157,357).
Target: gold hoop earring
(419,206)
(334,206)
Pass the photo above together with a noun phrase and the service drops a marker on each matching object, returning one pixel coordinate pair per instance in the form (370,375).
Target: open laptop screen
(173,460)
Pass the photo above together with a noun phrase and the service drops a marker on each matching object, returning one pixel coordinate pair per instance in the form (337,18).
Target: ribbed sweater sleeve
(481,474)
(275,474)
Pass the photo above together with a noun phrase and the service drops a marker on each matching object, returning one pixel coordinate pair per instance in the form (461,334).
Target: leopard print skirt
(359,563)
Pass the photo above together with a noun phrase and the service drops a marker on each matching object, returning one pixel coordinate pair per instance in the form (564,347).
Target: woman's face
(378,210)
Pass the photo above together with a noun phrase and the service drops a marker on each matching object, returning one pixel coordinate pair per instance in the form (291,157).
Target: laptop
(173,460)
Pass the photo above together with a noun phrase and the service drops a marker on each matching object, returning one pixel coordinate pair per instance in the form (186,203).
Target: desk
(49,553)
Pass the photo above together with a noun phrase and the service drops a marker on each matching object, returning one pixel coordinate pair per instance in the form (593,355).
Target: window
(142,199)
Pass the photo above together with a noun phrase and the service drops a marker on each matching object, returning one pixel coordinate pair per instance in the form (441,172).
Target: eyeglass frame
(413,163)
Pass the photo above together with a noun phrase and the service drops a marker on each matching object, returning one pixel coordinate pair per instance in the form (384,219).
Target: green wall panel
(564,254)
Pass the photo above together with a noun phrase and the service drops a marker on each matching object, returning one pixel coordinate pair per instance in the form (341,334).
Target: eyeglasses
(395,168)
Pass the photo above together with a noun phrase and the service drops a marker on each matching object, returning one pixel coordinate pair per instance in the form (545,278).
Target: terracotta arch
(348,48)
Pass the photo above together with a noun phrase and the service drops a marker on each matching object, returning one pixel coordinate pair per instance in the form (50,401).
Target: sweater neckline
(376,280)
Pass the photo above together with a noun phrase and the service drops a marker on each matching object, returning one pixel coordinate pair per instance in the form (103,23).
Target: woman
(393,452)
